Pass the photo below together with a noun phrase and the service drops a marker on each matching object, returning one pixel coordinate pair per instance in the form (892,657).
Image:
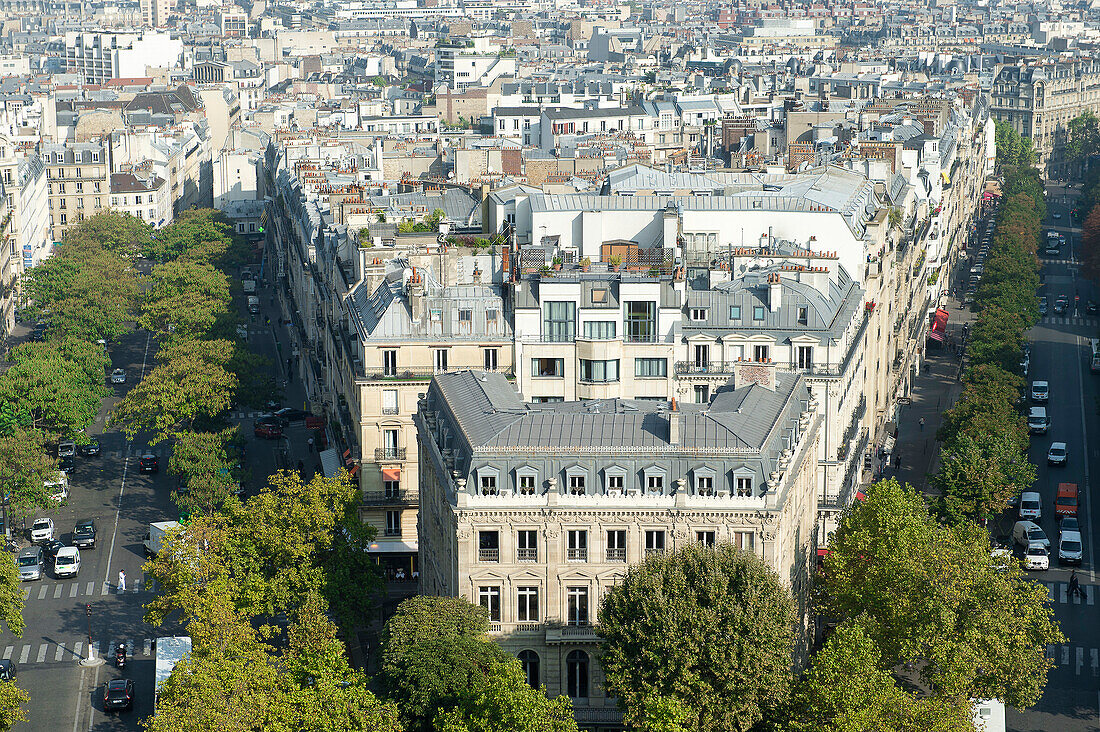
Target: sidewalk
(935,390)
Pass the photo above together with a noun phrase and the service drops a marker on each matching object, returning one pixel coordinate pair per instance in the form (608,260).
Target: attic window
(803,315)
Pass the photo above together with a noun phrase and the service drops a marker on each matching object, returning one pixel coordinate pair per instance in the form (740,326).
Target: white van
(58,488)
(1037,421)
(253,304)
(1029,532)
(67,562)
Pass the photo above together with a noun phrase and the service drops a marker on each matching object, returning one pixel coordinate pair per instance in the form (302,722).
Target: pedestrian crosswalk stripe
(24,654)
(42,652)
(74,589)
(57,591)
(26,594)
(91,588)
(77,648)
(60,652)
(68,651)
(42,592)
(8,651)
(1065,655)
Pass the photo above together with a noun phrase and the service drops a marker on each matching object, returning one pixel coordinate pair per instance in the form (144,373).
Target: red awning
(354,470)
(822,552)
(393,474)
(860,496)
(939,325)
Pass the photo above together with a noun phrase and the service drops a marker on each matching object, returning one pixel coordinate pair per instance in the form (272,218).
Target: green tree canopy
(190,381)
(502,701)
(711,627)
(980,473)
(205,465)
(434,651)
(931,594)
(54,390)
(24,466)
(185,300)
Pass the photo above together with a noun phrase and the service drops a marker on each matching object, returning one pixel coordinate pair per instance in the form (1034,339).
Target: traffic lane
(1063,709)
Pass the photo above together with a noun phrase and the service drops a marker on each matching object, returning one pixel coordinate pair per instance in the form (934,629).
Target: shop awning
(330,462)
(939,326)
(860,496)
(393,474)
(822,552)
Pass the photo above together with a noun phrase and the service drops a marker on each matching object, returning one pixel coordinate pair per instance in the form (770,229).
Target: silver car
(31,563)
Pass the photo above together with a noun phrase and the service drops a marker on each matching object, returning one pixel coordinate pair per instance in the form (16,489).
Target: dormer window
(653,479)
(526,481)
(615,481)
(698,315)
(705,482)
(742,486)
(576,481)
(803,315)
(488,481)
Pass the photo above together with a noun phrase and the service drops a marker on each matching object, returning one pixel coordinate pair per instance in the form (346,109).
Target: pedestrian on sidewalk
(921,423)
(310,443)
(121,580)
(1074,584)
(897,461)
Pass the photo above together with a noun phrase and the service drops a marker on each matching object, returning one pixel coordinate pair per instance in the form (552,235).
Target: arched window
(576,668)
(530,662)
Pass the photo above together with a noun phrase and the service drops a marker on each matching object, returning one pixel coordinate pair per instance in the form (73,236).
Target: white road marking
(91,588)
(106,588)
(8,651)
(1095,656)
(42,652)
(79,697)
(77,648)
(1080,659)
(1085,499)
(42,592)
(146,646)
(74,589)
(26,594)
(60,652)
(24,655)
(1065,656)
(1050,591)
(1091,596)
(57,592)
(130,648)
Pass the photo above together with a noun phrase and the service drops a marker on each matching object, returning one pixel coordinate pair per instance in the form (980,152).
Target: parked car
(89,449)
(1036,557)
(1091,307)
(67,562)
(85,534)
(148,463)
(118,694)
(66,448)
(66,464)
(267,430)
(1056,455)
(273,418)
(42,530)
(31,563)
(7,670)
(1070,547)
(1061,305)
(1029,532)
(52,547)
(118,376)
(292,415)
(1040,391)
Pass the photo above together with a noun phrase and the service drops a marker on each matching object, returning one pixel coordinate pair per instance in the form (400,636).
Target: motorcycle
(120,655)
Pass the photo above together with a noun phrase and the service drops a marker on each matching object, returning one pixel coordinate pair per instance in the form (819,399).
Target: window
(527,610)
(616,545)
(601,372)
(744,540)
(698,315)
(599,295)
(576,484)
(529,660)
(62,216)
(527,485)
(576,545)
(704,485)
(640,321)
(706,538)
(760,354)
(98,202)
(577,605)
(654,541)
(615,484)
(392,488)
(488,546)
(436,315)
(758,312)
(389,363)
(527,545)
(490,359)
(702,393)
(576,673)
(702,356)
(393,523)
(735,312)
(559,321)
(489,598)
(465,315)
(491,316)
(389,401)
(548,367)
(97,187)
(655,484)
(488,484)
(439,359)
(803,315)
(743,486)
(650,368)
(389,441)
(599,330)
(79,187)
(805,356)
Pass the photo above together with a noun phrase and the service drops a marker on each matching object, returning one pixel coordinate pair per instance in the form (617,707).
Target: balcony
(527,555)
(389,453)
(616,555)
(389,410)
(572,633)
(576,555)
(392,531)
(488,555)
(376,498)
(654,552)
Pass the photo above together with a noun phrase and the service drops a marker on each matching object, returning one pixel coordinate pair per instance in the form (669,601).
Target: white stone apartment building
(78,180)
(142,194)
(24,178)
(100,57)
(535,510)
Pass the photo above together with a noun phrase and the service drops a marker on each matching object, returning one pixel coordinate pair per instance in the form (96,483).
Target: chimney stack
(674,417)
(775,291)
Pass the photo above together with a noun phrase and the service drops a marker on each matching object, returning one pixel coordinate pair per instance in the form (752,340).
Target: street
(123,502)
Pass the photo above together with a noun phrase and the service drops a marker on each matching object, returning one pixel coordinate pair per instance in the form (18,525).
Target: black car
(273,419)
(52,547)
(66,463)
(89,450)
(118,694)
(1060,306)
(84,535)
(7,670)
(292,415)
(148,463)
(1091,307)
